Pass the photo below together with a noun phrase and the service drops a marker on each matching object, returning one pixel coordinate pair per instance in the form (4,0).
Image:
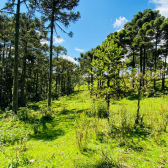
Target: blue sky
(98,19)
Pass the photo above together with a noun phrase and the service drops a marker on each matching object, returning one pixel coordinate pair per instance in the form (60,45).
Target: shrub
(102,110)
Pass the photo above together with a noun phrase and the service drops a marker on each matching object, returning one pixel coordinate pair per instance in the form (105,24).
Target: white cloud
(80,50)
(38,32)
(58,40)
(119,23)
(44,41)
(67,57)
(161,5)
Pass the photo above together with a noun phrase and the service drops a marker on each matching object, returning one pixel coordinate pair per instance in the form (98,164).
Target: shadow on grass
(34,107)
(48,134)
(48,128)
(88,152)
(104,163)
(138,132)
(69,112)
(57,105)
(131,139)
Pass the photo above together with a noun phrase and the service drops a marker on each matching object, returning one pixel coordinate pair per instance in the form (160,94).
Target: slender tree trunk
(155,63)
(23,97)
(41,86)
(68,82)
(5,78)
(2,77)
(91,78)
(56,87)
(3,58)
(51,46)
(164,75)
(98,83)
(10,74)
(46,84)
(64,79)
(165,70)
(37,85)
(133,66)
(138,108)
(144,65)
(108,97)
(15,75)
(146,60)
(141,64)
(139,92)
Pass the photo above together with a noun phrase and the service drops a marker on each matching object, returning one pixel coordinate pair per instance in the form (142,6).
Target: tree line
(144,44)
(29,69)
(129,60)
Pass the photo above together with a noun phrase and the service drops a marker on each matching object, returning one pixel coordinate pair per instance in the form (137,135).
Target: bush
(102,110)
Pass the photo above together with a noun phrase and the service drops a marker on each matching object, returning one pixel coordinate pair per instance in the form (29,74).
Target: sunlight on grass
(77,136)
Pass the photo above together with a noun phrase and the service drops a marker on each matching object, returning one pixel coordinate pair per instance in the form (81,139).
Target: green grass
(73,137)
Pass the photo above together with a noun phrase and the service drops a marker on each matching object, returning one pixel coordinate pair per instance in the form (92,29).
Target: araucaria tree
(107,62)
(10,9)
(55,12)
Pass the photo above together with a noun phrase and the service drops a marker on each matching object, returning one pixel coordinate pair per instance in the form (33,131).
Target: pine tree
(54,12)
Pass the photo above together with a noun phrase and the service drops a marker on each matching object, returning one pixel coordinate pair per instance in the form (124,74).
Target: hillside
(72,137)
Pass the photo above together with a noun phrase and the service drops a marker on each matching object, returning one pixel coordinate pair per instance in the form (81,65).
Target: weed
(98,109)
(83,131)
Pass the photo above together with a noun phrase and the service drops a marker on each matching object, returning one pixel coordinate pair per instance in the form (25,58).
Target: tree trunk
(37,85)
(108,97)
(91,77)
(5,77)
(3,56)
(15,75)
(10,74)
(133,66)
(56,87)
(164,75)
(144,65)
(155,64)
(23,97)
(51,46)
(141,65)
(138,108)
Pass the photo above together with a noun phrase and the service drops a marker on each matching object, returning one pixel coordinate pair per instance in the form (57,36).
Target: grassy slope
(42,142)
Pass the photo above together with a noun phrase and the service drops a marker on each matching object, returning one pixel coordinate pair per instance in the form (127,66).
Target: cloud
(44,41)
(161,5)
(58,40)
(67,57)
(119,23)
(80,50)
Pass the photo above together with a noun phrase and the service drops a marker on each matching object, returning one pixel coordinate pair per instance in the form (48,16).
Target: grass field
(73,136)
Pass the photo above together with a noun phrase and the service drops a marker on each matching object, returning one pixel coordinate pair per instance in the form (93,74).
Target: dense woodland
(142,45)
(27,64)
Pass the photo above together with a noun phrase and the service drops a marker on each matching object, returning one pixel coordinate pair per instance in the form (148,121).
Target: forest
(110,109)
